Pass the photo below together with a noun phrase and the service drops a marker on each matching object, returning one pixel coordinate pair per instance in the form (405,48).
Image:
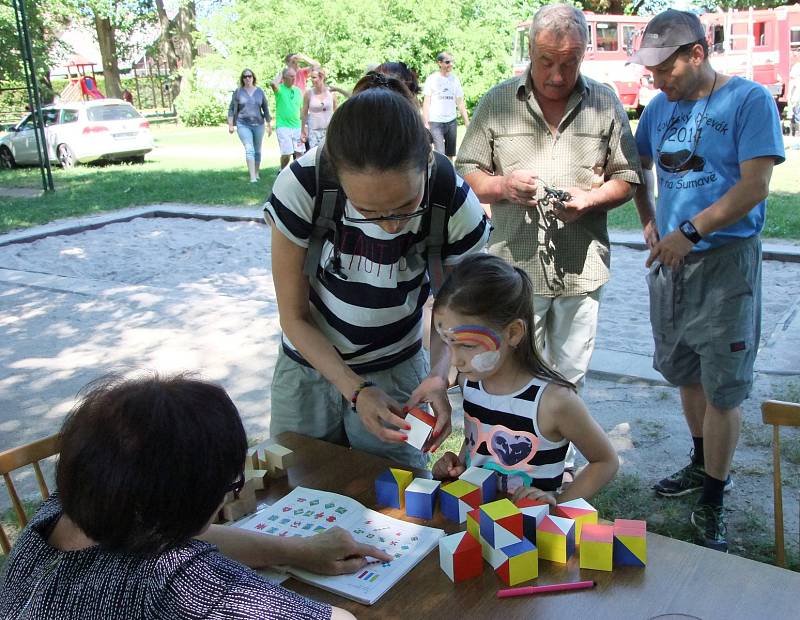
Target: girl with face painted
(519,414)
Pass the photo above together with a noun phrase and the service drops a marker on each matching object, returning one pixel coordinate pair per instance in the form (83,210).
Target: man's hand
(520,187)
(374,406)
(650,232)
(433,390)
(671,250)
(448,466)
(579,204)
(335,552)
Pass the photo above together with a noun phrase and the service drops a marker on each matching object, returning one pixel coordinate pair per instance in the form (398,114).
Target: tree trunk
(108,52)
(183,42)
(165,44)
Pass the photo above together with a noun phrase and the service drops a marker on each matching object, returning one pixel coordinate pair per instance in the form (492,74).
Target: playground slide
(89,88)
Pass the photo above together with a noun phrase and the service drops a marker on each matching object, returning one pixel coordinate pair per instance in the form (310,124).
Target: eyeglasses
(447,62)
(402,217)
(236,486)
(512,449)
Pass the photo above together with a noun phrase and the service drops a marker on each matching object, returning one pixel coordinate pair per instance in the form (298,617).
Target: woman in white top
(318,107)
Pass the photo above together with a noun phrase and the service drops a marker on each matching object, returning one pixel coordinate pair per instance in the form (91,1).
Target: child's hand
(533,493)
(448,466)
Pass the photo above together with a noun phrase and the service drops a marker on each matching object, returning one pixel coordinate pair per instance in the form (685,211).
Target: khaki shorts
(706,319)
(305,402)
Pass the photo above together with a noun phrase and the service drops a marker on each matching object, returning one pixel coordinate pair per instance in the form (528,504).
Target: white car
(80,132)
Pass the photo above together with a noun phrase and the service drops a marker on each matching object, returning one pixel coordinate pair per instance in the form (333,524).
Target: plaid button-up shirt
(508,132)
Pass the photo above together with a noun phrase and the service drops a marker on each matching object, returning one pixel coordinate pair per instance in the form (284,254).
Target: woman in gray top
(249,114)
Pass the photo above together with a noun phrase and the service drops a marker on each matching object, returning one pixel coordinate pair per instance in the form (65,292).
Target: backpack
(329,208)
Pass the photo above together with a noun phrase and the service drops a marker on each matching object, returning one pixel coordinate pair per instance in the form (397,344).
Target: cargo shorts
(706,320)
(305,402)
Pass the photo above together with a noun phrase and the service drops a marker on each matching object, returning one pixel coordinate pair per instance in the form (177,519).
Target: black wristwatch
(689,231)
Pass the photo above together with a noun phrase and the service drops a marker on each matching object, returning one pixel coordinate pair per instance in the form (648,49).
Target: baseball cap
(664,34)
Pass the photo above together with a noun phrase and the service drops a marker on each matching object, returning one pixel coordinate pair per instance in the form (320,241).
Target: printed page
(305,512)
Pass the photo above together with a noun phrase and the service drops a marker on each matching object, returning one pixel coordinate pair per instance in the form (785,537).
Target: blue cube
(421,498)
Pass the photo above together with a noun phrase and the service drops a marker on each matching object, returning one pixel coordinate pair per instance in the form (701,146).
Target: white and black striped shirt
(502,416)
(372,313)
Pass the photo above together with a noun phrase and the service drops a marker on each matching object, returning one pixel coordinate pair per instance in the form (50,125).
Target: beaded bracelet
(362,386)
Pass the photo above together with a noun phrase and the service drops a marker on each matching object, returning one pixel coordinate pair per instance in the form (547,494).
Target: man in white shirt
(443,93)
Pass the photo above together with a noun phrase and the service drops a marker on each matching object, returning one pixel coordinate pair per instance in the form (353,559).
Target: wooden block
(533,511)
(421,423)
(555,539)
(257,479)
(521,563)
(457,498)
(580,511)
(630,543)
(484,479)
(597,547)
(460,556)
(278,459)
(238,508)
(421,498)
(501,523)
(390,487)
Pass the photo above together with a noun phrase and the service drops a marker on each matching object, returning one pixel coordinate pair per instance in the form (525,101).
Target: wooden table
(680,578)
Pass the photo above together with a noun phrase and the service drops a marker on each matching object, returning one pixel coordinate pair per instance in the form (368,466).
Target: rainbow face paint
(476,335)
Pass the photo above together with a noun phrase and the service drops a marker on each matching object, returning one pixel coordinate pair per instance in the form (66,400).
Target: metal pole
(34,100)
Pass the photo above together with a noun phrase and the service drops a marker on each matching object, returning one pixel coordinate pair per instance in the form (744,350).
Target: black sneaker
(711,529)
(686,480)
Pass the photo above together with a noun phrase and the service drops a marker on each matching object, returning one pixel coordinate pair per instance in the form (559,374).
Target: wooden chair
(779,414)
(16,458)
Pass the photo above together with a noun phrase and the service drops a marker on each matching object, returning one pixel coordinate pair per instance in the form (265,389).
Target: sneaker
(686,480)
(709,520)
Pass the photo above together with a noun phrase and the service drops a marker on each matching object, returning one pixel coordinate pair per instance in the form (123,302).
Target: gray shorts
(305,402)
(706,319)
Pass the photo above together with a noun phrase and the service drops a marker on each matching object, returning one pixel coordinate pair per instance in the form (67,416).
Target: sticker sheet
(306,512)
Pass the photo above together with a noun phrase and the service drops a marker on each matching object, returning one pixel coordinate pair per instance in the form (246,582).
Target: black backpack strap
(326,216)
(442,195)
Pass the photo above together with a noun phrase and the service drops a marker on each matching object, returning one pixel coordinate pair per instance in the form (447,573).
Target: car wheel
(66,157)
(136,159)
(7,158)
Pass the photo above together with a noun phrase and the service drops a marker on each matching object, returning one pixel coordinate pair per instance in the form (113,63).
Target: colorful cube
(521,563)
(555,539)
(460,556)
(473,523)
(457,498)
(390,487)
(500,523)
(597,546)
(485,479)
(421,498)
(421,423)
(580,511)
(533,511)
(630,543)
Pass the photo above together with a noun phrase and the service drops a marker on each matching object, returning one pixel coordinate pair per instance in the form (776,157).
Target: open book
(305,512)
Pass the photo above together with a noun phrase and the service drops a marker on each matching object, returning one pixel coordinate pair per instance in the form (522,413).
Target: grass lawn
(206,166)
(202,165)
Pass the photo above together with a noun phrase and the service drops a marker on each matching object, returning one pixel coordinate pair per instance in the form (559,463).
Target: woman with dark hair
(402,72)
(144,466)
(351,354)
(248,114)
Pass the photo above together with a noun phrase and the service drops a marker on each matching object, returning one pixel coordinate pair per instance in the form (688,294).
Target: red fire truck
(759,44)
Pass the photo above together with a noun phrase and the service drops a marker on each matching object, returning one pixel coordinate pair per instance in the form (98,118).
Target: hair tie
(378,79)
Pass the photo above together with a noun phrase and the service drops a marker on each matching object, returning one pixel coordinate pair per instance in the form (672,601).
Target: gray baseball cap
(664,34)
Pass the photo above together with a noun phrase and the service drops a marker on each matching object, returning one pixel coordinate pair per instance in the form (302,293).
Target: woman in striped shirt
(519,414)
(351,353)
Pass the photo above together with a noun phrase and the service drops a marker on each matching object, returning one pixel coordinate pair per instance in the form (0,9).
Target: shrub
(200,107)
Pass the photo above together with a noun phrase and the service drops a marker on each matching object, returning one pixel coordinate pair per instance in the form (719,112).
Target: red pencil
(555,587)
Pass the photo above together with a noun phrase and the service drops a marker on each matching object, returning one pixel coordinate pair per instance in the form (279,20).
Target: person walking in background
(715,139)
(318,107)
(288,124)
(443,94)
(292,61)
(248,115)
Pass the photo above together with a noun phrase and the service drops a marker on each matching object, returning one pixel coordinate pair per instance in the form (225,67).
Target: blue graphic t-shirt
(702,144)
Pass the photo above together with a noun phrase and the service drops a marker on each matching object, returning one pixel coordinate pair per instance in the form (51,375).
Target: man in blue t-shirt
(714,139)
